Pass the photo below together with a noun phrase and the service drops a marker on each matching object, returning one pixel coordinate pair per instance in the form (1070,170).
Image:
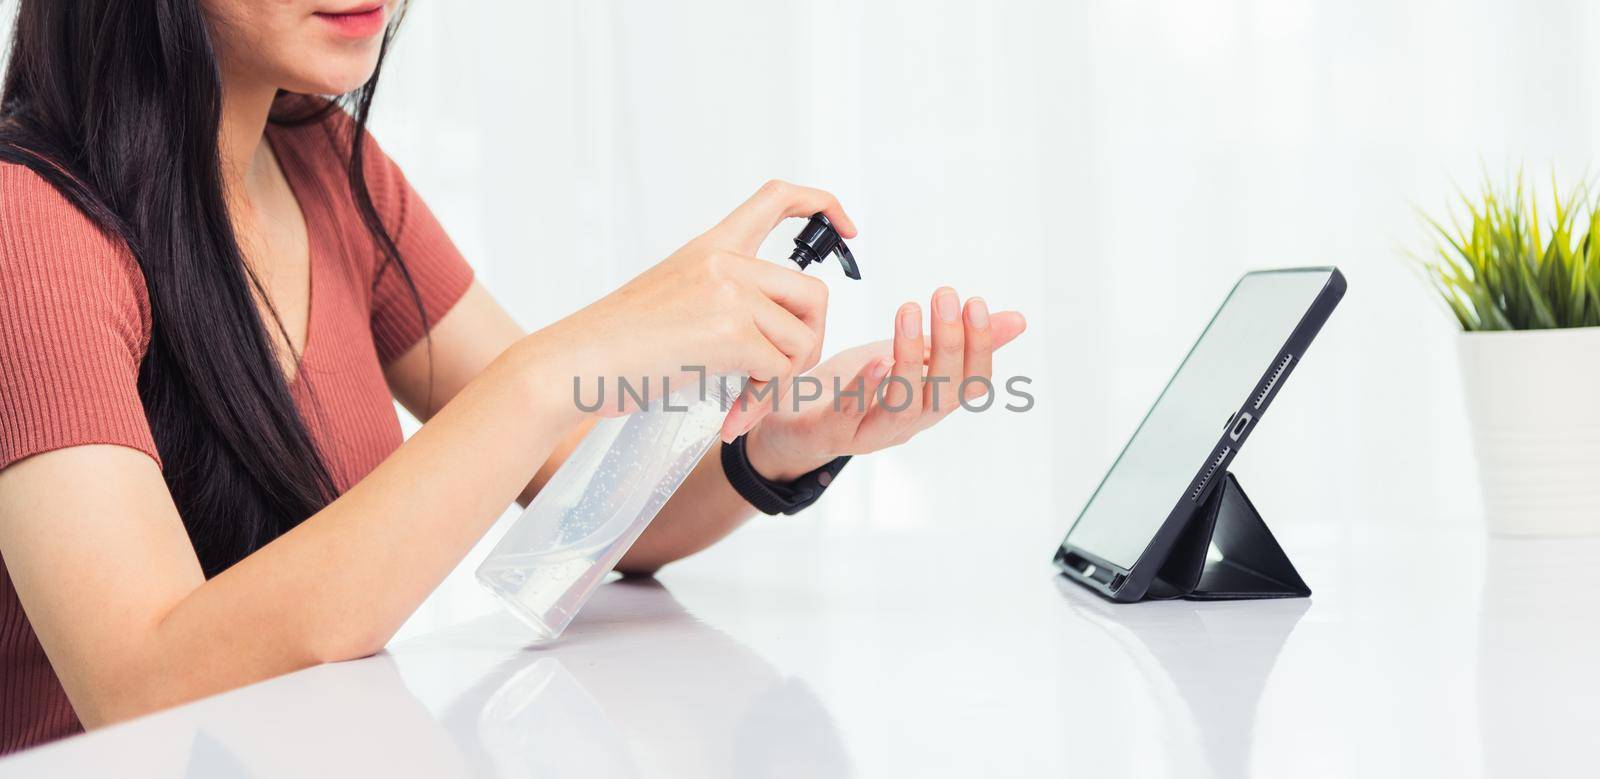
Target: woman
(215,286)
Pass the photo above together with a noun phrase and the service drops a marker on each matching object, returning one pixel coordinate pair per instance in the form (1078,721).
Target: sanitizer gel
(614,483)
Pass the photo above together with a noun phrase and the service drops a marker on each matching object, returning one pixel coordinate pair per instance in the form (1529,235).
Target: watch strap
(770,497)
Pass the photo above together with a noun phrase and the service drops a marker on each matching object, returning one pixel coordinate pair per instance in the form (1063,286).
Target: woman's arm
(457,350)
(704,509)
(105,572)
(109,580)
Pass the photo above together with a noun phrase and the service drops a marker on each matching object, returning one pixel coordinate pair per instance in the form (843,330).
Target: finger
(763,360)
(856,397)
(792,336)
(1005,326)
(755,402)
(900,403)
(749,224)
(764,364)
(804,296)
(743,415)
(948,351)
(978,359)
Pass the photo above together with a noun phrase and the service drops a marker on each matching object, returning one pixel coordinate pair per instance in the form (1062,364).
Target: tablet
(1197,426)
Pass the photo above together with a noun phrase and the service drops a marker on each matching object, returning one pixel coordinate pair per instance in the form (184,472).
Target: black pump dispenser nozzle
(817,240)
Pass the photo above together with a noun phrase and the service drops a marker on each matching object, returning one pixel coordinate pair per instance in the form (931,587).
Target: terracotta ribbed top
(75,322)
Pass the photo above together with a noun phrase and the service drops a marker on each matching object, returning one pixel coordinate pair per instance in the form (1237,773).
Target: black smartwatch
(772,497)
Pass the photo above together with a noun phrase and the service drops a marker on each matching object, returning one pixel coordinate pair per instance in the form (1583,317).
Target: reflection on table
(1211,659)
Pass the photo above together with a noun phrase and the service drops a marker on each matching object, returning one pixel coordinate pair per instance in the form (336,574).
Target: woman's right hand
(712,305)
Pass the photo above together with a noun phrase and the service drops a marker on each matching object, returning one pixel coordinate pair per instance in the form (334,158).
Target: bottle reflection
(639,687)
(541,720)
(1215,657)
(209,757)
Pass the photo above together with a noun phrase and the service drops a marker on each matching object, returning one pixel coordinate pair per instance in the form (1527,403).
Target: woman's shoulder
(74,326)
(37,215)
(52,253)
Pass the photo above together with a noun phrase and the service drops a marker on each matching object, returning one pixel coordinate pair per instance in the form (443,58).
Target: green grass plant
(1500,266)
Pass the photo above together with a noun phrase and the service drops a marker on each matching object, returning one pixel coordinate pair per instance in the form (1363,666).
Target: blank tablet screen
(1178,436)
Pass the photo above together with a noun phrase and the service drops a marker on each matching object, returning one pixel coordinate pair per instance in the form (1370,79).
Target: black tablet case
(1253,565)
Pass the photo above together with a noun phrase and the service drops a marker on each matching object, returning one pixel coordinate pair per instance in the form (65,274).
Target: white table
(1423,652)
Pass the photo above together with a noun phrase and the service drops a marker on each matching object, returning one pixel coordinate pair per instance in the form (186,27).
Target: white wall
(1109,167)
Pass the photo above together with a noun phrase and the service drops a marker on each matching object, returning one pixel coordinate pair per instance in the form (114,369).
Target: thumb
(1006,326)
(862,389)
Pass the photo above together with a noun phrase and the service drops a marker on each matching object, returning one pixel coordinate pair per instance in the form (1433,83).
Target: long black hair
(118,104)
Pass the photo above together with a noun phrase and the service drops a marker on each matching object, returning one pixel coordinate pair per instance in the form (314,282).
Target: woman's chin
(333,76)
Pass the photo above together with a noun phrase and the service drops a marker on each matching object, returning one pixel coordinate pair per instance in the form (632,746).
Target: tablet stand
(1253,565)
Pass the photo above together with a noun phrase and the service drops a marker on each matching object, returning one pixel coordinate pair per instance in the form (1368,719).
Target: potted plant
(1526,292)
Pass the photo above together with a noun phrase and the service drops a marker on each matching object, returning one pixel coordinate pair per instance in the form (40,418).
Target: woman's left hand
(920,385)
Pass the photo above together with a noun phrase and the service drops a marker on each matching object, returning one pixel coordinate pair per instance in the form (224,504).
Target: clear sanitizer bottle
(595,506)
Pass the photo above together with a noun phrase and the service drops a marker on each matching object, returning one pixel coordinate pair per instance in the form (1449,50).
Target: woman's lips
(360,23)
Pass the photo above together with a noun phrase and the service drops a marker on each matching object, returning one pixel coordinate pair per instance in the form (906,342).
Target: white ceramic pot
(1533,397)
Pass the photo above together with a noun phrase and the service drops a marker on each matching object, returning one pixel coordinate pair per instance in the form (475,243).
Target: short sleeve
(441,275)
(74,324)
